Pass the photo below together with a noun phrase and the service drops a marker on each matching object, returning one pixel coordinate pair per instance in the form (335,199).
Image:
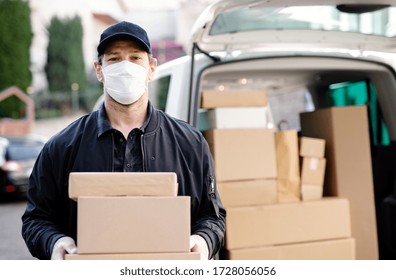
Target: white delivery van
(307,56)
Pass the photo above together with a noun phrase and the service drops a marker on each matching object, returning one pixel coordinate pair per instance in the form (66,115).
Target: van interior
(300,84)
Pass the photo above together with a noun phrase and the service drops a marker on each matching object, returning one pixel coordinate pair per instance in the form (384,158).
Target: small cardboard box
(237,117)
(243,154)
(313,171)
(133,224)
(312,147)
(284,223)
(248,193)
(122,184)
(335,249)
(214,99)
(311,192)
(136,256)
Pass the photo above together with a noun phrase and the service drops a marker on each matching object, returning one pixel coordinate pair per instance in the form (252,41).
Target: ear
(153,66)
(98,71)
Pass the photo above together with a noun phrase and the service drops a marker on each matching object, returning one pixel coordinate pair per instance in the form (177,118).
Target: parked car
(17,157)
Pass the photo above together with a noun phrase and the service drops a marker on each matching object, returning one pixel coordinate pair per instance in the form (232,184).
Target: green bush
(65,62)
(16,36)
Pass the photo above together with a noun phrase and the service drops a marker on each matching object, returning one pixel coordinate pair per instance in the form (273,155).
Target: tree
(16,36)
(65,62)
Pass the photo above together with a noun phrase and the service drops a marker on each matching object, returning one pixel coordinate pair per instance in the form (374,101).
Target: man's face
(118,51)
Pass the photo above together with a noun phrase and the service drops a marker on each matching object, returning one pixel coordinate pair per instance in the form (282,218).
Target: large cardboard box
(348,167)
(136,256)
(275,224)
(334,249)
(214,99)
(237,117)
(122,184)
(248,193)
(133,224)
(312,147)
(243,154)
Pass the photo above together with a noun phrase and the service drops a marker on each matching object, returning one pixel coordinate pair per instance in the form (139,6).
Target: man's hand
(198,244)
(64,245)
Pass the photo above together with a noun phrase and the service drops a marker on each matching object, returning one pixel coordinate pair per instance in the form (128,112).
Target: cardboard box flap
(122,184)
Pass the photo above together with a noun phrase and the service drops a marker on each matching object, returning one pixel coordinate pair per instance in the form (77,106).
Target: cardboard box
(248,193)
(288,166)
(336,249)
(243,154)
(311,192)
(133,224)
(288,191)
(313,171)
(122,184)
(214,99)
(284,223)
(312,147)
(348,167)
(237,117)
(136,256)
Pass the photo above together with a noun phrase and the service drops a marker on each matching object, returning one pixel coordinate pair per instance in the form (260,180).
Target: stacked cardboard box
(251,165)
(130,216)
(319,229)
(312,152)
(243,147)
(226,99)
(348,168)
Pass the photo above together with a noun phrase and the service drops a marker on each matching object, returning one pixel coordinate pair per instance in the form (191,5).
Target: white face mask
(125,81)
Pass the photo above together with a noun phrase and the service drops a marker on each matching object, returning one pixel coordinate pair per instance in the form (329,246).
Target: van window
(361,93)
(158,90)
(330,18)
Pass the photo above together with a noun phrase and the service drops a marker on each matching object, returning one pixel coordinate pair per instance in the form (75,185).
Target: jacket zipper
(212,188)
(213,196)
(142,147)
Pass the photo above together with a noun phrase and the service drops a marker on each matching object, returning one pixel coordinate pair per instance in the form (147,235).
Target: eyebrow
(115,52)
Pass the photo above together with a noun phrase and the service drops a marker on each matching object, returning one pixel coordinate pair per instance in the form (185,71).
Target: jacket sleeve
(42,220)
(211,224)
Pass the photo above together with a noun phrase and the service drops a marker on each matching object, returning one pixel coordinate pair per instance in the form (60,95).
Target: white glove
(64,245)
(198,244)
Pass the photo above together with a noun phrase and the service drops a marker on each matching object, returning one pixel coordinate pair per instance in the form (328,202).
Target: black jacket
(86,145)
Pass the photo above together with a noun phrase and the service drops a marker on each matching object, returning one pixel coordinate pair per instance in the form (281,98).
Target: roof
(105,18)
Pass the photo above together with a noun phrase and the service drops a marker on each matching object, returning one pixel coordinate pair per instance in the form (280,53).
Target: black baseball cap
(124,30)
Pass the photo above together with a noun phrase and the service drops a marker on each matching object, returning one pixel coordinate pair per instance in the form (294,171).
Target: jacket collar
(149,125)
